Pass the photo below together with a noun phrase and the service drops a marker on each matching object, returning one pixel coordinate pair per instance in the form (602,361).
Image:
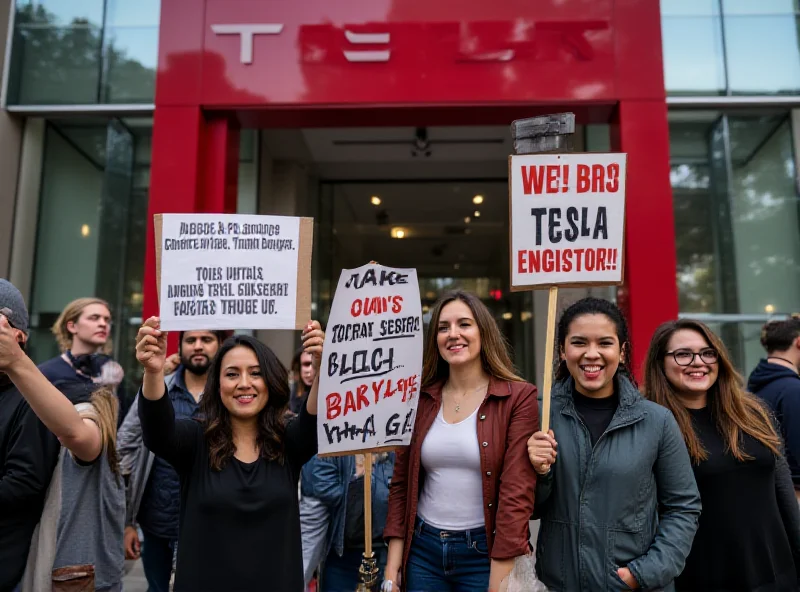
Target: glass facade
(731,47)
(93,225)
(83,52)
(733,173)
(736,220)
(105,51)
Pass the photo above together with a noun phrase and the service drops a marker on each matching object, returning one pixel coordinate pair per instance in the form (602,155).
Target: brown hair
(271,420)
(779,335)
(734,409)
(71,313)
(495,358)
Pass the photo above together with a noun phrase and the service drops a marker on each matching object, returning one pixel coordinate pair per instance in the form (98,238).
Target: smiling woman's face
(592,353)
(242,387)
(457,334)
(698,377)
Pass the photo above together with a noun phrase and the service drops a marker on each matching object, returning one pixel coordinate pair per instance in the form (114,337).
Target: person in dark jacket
(616,495)
(777,382)
(749,533)
(153,488)
(28,453)
(338,482)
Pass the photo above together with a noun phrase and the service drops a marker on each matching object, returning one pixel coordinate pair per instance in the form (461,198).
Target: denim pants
(447,561)
(157,556)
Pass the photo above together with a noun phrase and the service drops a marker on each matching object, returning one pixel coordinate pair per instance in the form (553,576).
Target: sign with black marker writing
(371,362)
(567,219)
(232,271)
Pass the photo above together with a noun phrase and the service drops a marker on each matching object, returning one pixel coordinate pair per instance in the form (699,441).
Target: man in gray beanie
(28,454)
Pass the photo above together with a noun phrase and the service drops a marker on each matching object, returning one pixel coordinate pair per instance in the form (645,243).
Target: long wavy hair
(271,420)
(733,408)
(593,306)
(71,313)
(495,357)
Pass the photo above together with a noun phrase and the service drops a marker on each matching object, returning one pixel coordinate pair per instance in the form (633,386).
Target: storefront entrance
(389,70)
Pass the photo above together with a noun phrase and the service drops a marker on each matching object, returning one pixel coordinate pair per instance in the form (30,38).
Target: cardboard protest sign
(231,271)
(372,361)
(567,219)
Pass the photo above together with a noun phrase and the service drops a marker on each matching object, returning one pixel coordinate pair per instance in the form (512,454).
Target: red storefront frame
(316,63)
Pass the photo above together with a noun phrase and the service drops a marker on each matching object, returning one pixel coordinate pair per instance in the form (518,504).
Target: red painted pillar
(194,169)
(650,294)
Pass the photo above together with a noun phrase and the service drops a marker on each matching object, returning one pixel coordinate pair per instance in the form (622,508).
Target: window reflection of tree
(694,245)
(72,64)
(763,179)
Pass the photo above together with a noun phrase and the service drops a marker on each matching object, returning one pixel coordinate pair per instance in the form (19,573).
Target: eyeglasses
(685,357)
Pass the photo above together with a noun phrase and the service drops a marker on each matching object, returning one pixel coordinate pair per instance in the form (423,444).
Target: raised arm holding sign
(567,220)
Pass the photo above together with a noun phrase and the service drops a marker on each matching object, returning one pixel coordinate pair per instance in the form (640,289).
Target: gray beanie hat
(12,305)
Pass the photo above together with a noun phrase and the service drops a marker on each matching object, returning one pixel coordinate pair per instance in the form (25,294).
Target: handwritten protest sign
(230,271)
(372,361)
(567,219)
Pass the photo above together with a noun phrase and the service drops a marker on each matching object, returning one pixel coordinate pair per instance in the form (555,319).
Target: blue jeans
(447,561)
(340,574)
(157,554)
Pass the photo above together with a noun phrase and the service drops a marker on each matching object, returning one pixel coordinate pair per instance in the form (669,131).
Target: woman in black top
(239,465)
(749,533)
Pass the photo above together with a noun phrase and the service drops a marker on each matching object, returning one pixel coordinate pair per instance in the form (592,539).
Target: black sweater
(749,528)
(28,456)
(239,527)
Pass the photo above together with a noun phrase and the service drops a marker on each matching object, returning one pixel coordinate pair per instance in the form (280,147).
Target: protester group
(685,481)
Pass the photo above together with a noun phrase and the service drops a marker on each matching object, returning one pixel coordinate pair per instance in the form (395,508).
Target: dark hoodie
(779,386)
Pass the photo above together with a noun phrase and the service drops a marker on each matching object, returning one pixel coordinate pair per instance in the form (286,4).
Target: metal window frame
(12,16)
(711,317)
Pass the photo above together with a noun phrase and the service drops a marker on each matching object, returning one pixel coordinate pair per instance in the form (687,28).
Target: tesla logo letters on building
(367,55)
(487,42)
(247,32)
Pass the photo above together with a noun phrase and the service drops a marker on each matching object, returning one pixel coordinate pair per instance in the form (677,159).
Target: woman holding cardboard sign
(239,465)
(616,493)
(462,492)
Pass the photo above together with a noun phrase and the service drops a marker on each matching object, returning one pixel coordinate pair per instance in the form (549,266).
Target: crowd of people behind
(686,482)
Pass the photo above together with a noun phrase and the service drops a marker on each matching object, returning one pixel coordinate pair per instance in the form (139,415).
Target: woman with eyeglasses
(749,533)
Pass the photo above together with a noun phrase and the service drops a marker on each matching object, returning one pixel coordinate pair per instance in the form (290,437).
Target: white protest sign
(231,271)
(372,361)
(567,219)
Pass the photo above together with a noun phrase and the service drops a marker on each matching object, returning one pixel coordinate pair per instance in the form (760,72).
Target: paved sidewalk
(134,581)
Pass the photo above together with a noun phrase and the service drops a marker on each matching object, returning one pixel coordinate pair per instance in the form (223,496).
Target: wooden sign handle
(368,504)
(552,306)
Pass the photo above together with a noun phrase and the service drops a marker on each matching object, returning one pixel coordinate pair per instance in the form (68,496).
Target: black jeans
(157,555)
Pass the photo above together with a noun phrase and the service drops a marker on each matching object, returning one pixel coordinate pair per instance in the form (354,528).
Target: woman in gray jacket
(616,494)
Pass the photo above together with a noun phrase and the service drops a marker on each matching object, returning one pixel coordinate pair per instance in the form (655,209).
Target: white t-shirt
(452,494)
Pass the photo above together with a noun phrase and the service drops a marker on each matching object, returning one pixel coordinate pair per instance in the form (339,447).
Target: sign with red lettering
(372,361)
(567,219)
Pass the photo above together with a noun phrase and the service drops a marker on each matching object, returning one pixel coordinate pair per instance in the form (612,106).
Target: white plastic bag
(523,577)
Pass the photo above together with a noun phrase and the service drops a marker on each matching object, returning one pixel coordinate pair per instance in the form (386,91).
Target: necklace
(464,396)
(780,358)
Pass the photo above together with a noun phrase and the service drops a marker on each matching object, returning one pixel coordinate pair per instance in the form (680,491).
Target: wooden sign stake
(368,572)
(547,133)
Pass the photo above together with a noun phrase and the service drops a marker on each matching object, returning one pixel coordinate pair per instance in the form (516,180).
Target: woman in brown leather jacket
(462,492)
